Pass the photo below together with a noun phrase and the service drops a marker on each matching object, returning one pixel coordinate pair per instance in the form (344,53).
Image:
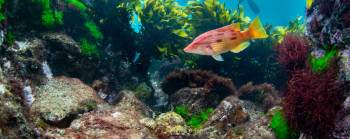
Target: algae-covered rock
(60,100)
(106,123)
(168,125)
(13,123)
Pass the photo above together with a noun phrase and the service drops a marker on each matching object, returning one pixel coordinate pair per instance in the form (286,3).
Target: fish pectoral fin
(218,57)
(240,47)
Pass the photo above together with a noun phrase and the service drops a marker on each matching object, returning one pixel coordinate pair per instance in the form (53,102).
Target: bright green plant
(10,38)
(59,17)
(81,6)
(279,125)
(94,30)
(48,19)
(184,111)
(321,63)
(2,16)
(88,48)
(197,120)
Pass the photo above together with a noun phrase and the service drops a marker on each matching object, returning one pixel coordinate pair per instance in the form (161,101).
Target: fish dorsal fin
(234,26)
(218,57)
(240,47)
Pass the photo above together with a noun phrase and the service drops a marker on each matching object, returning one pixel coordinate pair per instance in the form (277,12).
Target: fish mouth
(186,49)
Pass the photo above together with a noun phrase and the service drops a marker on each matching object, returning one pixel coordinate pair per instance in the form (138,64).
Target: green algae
(323,62)
(88,48)
(279,125)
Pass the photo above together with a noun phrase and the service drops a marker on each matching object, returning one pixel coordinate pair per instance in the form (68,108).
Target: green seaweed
(88,48)
(94,30)
(143,91)
(184,111)
(197,120)
(82,8)
(59,17)
(279,125)
(10,38)
(2,16)
(48,19)
(323,62)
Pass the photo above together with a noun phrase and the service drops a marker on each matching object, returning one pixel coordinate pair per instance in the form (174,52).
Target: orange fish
(228,38)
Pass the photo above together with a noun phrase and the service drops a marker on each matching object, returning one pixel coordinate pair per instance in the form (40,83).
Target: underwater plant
(143,91)
(211,82)
(197,120)
(292,28)
(48,19)
(94,30)
(184,111)
(313,101)
(82,8)
(162,22)
(2,16)
(88,49)
(323,62)
(263,94)
(292,52)
(59,17)
(279,125)
(210,14)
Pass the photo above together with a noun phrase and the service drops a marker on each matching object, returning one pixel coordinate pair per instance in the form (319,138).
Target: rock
(13,123)
(65,58)
(121,121)
(196,98)
(62,98)
(227,114)
(100,87)
(128,102)
(168,125)
(104,124)
(253,130)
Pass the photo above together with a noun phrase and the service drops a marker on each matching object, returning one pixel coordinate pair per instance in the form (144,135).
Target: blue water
(274,12)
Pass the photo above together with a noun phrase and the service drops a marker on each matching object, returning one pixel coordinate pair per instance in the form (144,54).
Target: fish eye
(195,43)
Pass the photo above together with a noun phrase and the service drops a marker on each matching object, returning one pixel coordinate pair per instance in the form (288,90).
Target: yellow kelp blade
(308,3)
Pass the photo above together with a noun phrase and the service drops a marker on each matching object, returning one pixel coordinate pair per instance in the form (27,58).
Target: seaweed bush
(2,16)
(211,15)
(162,23)
(94,30)
(49,18)
(76,3)
(88,48)
(323,62)
(197,120)
(280,126)
(292,28)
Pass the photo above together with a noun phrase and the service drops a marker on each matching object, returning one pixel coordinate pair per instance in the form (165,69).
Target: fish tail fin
(256,30)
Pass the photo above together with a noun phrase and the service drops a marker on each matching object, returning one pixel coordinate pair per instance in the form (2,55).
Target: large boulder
(119,121)
(60,100)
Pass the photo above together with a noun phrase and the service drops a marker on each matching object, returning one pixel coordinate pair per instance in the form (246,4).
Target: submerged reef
(117,69)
